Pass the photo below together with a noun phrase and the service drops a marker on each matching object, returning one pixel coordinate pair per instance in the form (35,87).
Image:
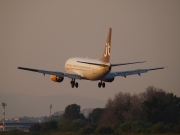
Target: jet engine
(57,78)
(108,80)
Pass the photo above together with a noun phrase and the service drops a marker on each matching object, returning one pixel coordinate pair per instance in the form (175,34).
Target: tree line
(152,111)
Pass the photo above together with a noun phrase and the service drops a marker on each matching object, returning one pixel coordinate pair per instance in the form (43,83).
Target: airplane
(92,69)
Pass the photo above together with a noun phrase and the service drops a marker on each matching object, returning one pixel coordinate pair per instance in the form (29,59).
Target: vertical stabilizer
(106,54)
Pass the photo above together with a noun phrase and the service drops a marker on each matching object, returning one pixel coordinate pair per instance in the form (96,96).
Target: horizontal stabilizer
(99,64)
(126,63)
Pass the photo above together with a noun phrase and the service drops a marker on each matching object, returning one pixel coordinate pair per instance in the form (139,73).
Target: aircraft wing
(130,72)
(72,76)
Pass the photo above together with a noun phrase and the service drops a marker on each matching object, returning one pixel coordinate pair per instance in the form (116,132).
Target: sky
(43,34)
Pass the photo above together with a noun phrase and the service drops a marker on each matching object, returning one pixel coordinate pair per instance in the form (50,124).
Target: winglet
(106,54)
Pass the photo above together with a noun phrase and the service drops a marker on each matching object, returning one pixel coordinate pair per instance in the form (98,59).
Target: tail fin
(106,54)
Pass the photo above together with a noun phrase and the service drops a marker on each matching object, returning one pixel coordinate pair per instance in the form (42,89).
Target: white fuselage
(87,70)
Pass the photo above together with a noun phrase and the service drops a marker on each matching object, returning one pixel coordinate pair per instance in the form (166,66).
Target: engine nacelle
(108,80)
(57,78)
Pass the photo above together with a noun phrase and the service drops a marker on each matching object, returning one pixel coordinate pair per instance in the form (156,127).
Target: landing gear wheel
(72,82)
(103,85)
(72,85)
(99,84)
(76,84)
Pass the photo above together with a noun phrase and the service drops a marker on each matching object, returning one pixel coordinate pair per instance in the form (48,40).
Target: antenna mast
(3,120)
(50,109)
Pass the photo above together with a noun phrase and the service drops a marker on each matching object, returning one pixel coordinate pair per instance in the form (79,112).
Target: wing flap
(72,76)
(42,71)
(130,72)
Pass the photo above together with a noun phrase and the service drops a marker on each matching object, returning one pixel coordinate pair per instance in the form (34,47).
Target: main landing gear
(101,84)
(73,83)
